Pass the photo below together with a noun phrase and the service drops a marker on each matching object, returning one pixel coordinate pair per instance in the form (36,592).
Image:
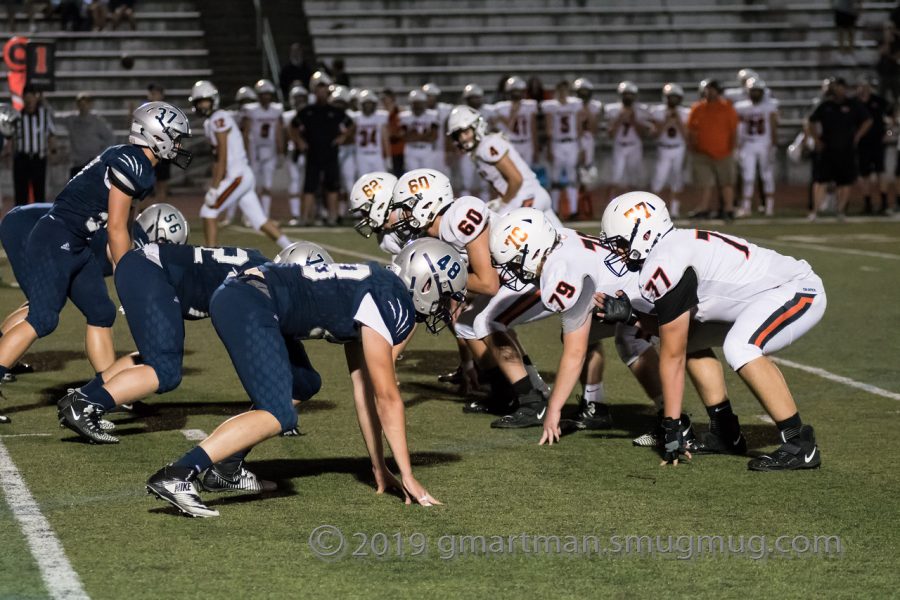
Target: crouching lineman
(770,300)
(366,307)
(499,163)
(232,177)
(370,202)
(60,263)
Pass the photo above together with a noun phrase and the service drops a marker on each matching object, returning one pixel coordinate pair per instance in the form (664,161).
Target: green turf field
(124,544)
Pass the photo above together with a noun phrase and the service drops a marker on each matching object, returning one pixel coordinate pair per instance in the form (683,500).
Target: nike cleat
(593,415)
(20,368)
(528,415)
(241,480)
(724,437)
(800,452)
(489,406)
(83,418)
(176,485)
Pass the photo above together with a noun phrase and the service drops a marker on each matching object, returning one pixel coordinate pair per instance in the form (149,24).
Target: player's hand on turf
(674,447)
(418,492)
(387,481)
(551,427)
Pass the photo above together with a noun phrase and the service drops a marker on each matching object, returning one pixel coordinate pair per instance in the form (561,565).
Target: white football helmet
(319,78)
(304,254)
(264,86)
(298,97)
(421,195)
(462,118)
(161,127)
(245,95)
(744,74)
(370,199)
(627,87)
(472,90)
(340,95)
(583,87)
(164,224)
(520,241)
(672,89)
(204,90)
(435,274)
(514,84)
(630,227)
(431,89)
(417,96)
(8,119)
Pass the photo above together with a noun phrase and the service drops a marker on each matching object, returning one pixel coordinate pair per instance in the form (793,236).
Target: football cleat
(724,437)
(241,480)
(176,485)
(8,377)
(82,417)
(592,415)
(454,377)
(800,452)
(292,432)
(5,419)
(527,415)
(20,367)
(490,406)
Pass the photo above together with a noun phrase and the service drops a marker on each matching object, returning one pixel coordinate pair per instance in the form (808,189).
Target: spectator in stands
(157,93)
(296,69)
(888,65)
(837,125)
(872,148)
(12,7)
(70,15)
(395,131)
(846,13)
(32,143)
(98,9)
(712,135)
(89,133)
(323,128)
(338,74)
(122,10)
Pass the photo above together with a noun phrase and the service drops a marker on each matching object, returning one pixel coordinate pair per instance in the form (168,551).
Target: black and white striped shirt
(32,131)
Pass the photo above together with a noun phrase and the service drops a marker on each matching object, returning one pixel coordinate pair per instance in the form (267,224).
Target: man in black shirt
(871,146)
(837,125)
(323,127)
(296,69)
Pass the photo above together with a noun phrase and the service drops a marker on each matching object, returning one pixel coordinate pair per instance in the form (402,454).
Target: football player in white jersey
(441,143)
(736,94)
(563,126)
(428,208)
(499,163)
(517,118)
(296,152)
(570,269)
(340,98)
(244,96)
(769,299)
(264,138)
(670,123)
(591,111)
(232,178)
(370,134)
(370,201)
(627,121)
(420,127)
(757,141)
(473,96)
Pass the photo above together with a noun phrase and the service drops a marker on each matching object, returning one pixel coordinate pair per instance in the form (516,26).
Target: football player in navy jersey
(161,223)
(262,314)
(59,261)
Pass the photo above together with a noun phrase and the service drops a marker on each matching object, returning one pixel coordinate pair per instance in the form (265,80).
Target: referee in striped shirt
(32,142)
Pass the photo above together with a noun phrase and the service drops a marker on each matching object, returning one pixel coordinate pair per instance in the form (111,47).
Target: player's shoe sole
(175,485)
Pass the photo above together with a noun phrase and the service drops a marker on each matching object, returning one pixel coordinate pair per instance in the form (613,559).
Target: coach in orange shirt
(712,135)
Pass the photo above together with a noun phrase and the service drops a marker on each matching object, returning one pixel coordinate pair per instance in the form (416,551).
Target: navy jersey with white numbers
(196,272)
(83,205)
(326,301)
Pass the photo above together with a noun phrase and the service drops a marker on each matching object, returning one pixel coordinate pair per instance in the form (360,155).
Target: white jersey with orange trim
(564,118)
(670,137)
(262,124)
(369,132)
(421,124)
(755,122)
(519,131)
(488,153)
(731,272)
(594,109)
(627,135)
(222,121)
(465,219)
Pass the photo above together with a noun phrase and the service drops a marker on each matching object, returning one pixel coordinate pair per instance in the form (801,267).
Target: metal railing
(266,42)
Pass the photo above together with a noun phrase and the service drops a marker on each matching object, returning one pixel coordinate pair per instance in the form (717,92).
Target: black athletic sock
(790,427)
(231,465)
(523,386)
(196,459)
(719,414)
(3,371)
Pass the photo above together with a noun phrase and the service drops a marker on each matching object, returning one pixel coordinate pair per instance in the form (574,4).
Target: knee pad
(168,372)
(44,322)
(739,352)
(306,386)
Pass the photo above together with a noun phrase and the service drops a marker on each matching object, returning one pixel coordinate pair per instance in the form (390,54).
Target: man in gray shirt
(89,133)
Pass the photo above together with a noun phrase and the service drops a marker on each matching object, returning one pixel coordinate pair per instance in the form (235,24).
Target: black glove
(616,309)
(674,448)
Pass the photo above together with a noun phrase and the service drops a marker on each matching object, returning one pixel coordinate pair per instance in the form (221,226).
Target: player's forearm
(671,373)
(570,364)
(512,189)
(393,422)
(369,425)
(119,243)
(480,284)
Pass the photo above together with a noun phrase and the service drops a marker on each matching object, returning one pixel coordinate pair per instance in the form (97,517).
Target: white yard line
(194,435)
(60,579)
(866,387)
(20,435)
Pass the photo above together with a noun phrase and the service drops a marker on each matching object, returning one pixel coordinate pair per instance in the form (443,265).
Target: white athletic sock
(266,201)
(572,194)
(283,242)
(593,392)
(294,203)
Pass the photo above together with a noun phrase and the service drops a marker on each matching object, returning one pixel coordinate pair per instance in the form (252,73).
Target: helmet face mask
(370,199)
(161,128)
(466,127)
(421,195)
(631,226)
(520,242)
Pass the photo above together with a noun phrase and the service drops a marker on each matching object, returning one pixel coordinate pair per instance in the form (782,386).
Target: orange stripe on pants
(763,336)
